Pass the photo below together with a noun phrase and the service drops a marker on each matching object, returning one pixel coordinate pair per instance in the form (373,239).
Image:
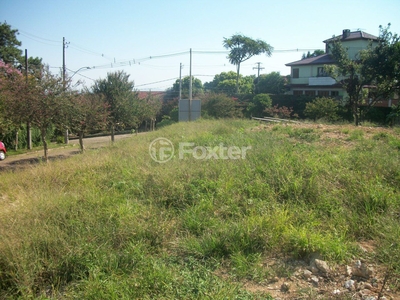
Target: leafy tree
(118,95)
(243,48)
(373,75)
(88,112)
(272,83)
(49,104)
(152,109)
(197,88)
(9,44)
(348,72)
(225,82)
(258,105)
(314,54)
(220,106)
(381,65)
(42,100)
(322,107)
(10,87)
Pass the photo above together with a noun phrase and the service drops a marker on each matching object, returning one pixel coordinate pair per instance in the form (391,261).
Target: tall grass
(113,223)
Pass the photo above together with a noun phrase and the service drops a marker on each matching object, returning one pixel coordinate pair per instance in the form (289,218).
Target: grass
(116,224)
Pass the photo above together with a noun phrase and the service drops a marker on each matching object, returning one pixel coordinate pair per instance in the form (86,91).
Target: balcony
(321,81)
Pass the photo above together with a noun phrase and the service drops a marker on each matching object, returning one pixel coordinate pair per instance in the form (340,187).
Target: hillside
(265,211)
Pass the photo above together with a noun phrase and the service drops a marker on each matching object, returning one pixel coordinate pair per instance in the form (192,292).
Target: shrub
(322,108)
(220,106)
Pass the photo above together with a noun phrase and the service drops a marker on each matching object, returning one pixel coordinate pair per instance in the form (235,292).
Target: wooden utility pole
(180,81)
(66,140)
(258,68)
(190,88)
(28,123)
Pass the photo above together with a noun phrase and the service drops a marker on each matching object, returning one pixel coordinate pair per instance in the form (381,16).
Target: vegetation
(243,48)
(220,106)
(322,108)
(116,224)
(9,51)
(314,54)
(118,94)
(373,75)
(272,83)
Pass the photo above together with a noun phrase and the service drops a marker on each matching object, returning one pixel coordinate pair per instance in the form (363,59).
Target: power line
(175,78)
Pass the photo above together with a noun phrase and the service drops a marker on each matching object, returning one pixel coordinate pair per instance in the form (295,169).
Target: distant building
(308,76)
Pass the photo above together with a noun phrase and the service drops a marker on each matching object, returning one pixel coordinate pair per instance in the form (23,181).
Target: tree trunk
(28,136)
(43,132)
(237,78)
(112,133)
(82,148)
(16,141)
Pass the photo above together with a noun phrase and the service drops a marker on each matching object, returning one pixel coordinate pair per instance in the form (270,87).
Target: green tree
(243,48)
(197,88)
(259,104)
(88,112)
(9,51)
(373,75)
(272,83)
(220,106)
(118,95)
(322,108)
(225,83)
(348,72)
(314,54)
(381,65)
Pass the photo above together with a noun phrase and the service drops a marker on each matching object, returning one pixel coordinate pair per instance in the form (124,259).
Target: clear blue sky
(108,34)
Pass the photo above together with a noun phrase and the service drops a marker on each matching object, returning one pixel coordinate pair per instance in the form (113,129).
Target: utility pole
(28,123)
(66,140)
(190,88)
(63,65)
(180,81)
(258,68)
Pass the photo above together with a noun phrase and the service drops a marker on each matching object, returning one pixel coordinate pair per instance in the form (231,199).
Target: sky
(150,39)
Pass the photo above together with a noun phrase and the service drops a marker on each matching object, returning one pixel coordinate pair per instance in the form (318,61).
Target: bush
(220,106)
(322,108)
(258,105)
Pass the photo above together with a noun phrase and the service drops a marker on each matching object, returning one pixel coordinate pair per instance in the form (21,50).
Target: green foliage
(117,92)
(225,83)
(322,108)
(258,105)
(243,48)
(9,51)
(220,106)
(314,54)
(197,87)
(375,67)
(272,83)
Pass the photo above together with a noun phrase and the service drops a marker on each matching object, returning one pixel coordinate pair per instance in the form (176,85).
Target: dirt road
(22,160)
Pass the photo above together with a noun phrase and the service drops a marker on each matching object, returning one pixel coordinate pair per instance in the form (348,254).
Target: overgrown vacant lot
(117,225)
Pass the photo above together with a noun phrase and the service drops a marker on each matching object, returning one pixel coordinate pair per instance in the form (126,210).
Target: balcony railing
(321,81)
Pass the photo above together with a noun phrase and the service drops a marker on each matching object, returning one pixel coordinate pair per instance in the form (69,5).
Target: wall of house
(305,72)
(354,46)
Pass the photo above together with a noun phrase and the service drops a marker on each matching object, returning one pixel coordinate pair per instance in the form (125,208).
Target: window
(310,93)
(321,72)
(323,93)
(296,73)
(297,93)
(334,93)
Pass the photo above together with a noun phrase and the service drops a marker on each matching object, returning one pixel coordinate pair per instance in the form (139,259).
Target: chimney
(346,33)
